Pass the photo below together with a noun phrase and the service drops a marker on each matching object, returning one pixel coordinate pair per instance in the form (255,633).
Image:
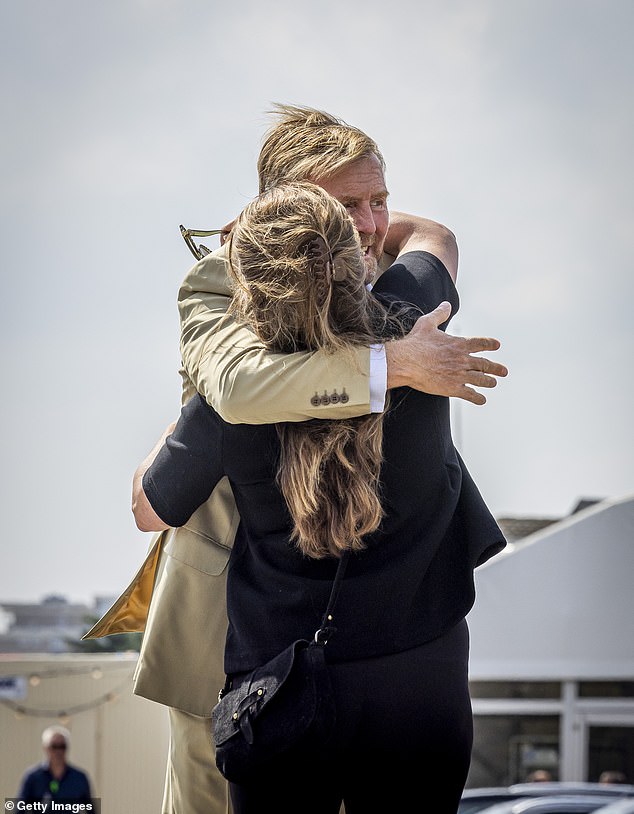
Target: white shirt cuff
(378,378)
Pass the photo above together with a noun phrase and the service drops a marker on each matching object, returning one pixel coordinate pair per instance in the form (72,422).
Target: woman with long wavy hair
(390,488)
(301,285)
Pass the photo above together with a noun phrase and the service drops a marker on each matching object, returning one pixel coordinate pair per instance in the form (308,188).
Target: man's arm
(247,384)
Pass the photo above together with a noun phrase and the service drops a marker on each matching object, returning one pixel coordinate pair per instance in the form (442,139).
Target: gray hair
(49,734)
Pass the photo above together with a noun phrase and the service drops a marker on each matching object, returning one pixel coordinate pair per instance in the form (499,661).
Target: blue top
(413,581)
(38,784)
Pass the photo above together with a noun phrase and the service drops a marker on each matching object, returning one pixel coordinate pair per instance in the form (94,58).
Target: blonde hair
(300,285)
(309,144)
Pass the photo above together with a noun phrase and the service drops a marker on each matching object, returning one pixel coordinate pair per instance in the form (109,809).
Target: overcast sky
(511,121)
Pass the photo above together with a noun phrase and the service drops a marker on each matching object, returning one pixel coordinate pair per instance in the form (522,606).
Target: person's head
(56,743)
(310,145)
(612,776)
(540,776)
(299,275)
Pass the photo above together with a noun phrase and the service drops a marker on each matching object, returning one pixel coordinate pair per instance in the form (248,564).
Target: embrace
(316,426)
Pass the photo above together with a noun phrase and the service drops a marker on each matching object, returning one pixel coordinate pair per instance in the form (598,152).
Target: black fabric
(415,579)
(280,705)
(402,740)
(418,279)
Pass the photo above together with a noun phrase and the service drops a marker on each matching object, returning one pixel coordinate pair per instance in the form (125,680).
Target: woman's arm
(182,470)
(409,233)
(144,515)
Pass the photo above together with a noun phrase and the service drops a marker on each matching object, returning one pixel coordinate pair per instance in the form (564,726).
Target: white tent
(559,605)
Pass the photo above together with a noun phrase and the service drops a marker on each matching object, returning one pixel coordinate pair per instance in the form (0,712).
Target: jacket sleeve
(188,466)
(246,384)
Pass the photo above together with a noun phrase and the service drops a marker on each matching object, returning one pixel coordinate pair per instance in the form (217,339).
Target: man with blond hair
(181,662)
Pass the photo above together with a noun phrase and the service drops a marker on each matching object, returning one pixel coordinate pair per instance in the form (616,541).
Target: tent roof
(560,604)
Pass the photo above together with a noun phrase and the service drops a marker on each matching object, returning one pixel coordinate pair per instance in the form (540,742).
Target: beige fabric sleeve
(245,383)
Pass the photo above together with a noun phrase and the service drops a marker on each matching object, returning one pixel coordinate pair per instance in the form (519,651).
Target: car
(572,787)
(623,806)
(550,804)
(477,799)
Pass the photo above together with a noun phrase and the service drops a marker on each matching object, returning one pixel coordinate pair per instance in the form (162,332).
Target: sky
(510,121)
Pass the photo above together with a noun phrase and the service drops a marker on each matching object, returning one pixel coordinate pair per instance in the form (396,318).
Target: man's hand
(434,362)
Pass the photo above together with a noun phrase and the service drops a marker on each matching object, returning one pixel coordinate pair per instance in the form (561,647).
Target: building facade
(552,653)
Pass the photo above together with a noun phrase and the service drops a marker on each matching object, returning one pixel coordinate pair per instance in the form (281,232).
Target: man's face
(57,747)
(360,187)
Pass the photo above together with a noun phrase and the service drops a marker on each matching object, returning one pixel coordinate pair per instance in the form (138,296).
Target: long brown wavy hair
(300,284)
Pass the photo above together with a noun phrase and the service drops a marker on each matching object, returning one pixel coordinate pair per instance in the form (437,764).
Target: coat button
(315,401)
(334,398)
(344,398)
(325,399)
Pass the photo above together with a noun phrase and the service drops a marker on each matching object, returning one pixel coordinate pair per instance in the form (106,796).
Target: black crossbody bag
(286,702)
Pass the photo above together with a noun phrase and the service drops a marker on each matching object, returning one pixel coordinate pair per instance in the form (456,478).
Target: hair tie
(339,269)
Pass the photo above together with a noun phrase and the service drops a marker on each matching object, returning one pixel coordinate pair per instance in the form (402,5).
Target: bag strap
(327,628)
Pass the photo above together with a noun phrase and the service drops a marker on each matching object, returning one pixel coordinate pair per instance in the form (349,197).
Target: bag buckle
(247,708)
(324,633)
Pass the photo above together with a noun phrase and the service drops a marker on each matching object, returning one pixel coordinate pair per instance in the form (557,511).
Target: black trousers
(402,742)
